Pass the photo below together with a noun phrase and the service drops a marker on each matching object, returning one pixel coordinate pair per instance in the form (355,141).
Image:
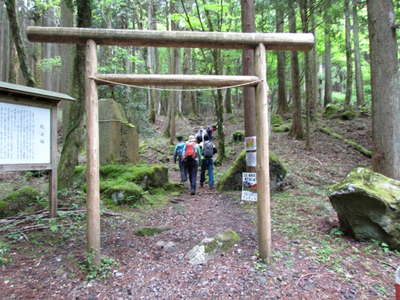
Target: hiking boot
(192,193)
(201,184)
(212,187)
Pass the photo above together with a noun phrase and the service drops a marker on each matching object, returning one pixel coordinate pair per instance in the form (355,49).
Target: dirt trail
(311,260)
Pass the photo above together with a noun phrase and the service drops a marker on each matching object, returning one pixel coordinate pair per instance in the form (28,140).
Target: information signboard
(25,133)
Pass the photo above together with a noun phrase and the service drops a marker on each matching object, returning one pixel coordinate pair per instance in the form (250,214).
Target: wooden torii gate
(188,39)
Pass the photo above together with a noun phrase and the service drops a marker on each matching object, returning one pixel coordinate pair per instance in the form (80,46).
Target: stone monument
(119,140)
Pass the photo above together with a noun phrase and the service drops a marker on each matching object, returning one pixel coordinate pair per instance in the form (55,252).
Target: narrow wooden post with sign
(28,132)
(263,197)
(190,39)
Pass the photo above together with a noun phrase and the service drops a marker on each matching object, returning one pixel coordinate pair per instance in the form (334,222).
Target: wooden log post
(53,162)
(264,206)
(92,154)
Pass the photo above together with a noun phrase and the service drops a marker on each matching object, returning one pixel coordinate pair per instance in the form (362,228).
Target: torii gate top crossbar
(232,40)
(181,39)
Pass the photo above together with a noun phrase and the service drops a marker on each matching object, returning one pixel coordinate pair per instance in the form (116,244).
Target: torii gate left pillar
(92,153)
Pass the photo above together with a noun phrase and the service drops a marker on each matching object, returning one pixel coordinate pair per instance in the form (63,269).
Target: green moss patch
(221,242)
(209,247)
(26,199)
(150,231)
(276,120)
(374,184)
(147,176)
(4,253)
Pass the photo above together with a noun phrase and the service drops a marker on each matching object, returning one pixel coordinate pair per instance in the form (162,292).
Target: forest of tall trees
(334,113)
(305,83)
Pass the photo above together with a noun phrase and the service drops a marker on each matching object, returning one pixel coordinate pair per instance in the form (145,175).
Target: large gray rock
(209,247)
(119,140)
(231,180)
(368,206)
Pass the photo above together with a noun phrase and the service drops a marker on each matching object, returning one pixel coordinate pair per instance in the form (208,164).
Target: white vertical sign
(249,187)
(24,134)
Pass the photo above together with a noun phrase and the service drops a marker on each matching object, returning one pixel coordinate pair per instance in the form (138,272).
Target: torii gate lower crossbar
(258,41)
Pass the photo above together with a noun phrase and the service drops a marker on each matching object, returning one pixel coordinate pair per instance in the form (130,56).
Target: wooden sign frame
(26,96)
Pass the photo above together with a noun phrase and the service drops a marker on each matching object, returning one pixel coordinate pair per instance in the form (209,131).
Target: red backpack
(190,151)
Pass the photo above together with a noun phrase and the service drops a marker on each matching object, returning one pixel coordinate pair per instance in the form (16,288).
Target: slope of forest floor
(311,257)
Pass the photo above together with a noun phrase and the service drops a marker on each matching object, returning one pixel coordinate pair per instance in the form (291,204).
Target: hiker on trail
(210,130)
(178,154)
(208,150)
(192,159)
(200,135)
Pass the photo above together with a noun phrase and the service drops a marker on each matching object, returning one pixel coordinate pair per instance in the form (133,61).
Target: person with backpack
(192,159)
(208,150)
(200,135)
(178,154)
(210,132)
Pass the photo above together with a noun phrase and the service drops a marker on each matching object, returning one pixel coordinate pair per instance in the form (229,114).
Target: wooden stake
(264,206)
(53,162)
(93,181)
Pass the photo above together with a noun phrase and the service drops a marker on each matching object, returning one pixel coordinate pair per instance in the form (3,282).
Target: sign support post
(54,162)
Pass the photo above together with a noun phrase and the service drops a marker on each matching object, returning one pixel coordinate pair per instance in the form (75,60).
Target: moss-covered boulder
(238,136)
(231,180)
(26,199)
(331,110)
(334,111)
(276,120)
(150,230)
(368,206)
(209,247)
(282,128)
(278,124)
(348,115)
(121,192)
(128,184)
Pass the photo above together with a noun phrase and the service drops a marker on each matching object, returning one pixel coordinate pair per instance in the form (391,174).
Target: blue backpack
(179,148)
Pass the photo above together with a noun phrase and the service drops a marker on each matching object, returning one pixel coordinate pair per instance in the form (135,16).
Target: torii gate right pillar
(263,197)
